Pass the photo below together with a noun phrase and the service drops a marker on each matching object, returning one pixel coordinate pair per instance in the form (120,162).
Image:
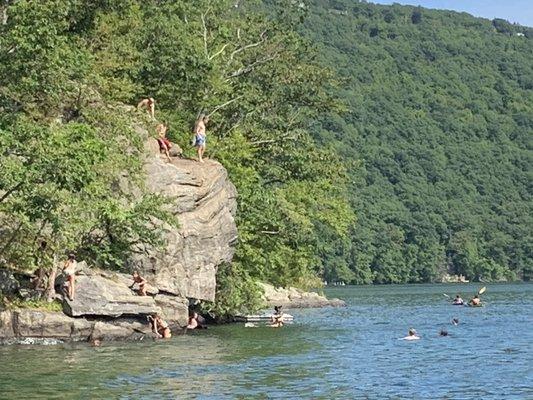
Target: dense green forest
(367,143)
(437,133)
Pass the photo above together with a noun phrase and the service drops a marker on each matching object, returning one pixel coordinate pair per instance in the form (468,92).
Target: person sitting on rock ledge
(137,278)
(69,269)
(159,327)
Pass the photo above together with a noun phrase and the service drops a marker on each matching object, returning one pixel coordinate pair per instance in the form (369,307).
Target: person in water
(458,301)
(443,332)
(277,319)
(200,135)
(139,280)
(411,335)
(278,323)
(455,321)
(159,327)
(194,321)
(69,269)
(475,301)
(149,105)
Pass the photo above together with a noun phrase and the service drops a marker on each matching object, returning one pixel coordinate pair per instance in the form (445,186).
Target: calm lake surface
(344,353)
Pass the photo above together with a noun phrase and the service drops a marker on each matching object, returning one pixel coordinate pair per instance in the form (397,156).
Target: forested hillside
(437,133)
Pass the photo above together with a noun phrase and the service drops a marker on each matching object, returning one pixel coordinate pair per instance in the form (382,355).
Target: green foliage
(41,305)
(64,149)
(438,111)
(236,291)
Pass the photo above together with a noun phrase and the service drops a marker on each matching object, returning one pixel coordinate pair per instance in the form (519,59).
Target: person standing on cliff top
(200,135)
(149,104)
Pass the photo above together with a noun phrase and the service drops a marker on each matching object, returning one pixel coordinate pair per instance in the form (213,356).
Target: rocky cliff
(204,201)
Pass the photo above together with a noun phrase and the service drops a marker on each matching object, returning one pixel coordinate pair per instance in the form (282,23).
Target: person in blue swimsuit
(200,135)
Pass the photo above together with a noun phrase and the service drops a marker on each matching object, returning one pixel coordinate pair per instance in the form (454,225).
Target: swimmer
(411,335)
(159,327)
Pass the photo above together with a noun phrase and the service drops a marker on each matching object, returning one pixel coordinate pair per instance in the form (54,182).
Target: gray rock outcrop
(97,295)
(204,200)
(18,326)
(8,283)
(296,298)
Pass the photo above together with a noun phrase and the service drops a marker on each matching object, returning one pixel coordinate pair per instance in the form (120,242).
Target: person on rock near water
(200,135)
(159,327)
(149,105)
(475,301)
(69,269)
(138,279)
(194,321)
(411,335)
(164,144)
(458,301)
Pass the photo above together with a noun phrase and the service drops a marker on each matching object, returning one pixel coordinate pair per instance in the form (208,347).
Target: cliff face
(204,200)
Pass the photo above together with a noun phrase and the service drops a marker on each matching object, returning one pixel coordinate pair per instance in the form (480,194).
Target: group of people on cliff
(165,145)
(139,285)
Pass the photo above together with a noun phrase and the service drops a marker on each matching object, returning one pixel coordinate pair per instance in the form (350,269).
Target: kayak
(472,305)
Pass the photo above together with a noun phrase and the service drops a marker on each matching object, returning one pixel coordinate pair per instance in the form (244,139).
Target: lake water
(343,353)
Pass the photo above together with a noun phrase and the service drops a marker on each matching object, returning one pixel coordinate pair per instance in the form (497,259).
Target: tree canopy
(438,111)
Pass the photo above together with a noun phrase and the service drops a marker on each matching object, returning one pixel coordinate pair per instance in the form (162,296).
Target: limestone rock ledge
(33,326)
(296,298)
